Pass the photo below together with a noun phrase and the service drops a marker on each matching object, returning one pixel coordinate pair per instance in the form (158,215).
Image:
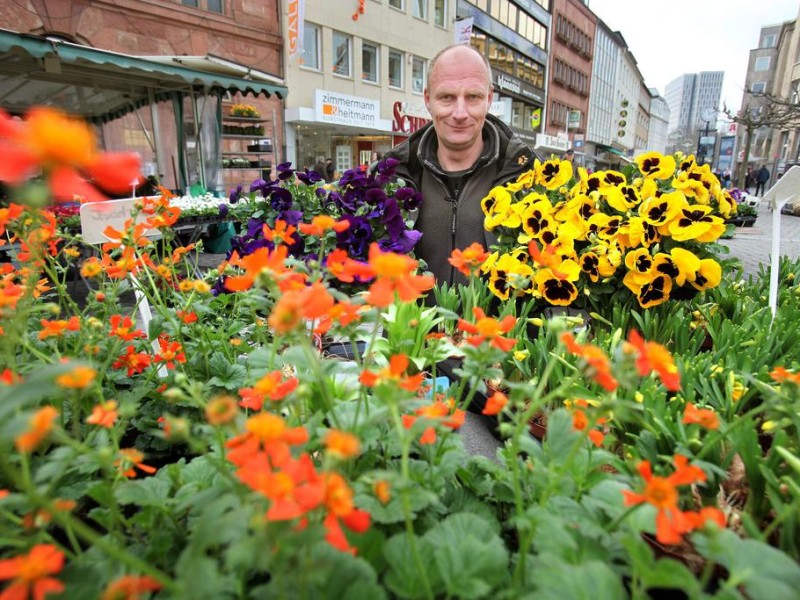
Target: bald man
(457,158)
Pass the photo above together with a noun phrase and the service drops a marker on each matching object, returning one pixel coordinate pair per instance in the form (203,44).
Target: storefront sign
(296,26)
(341,109)
(403,122)
(516,86)
(506,82)
(415,110)
(552,142)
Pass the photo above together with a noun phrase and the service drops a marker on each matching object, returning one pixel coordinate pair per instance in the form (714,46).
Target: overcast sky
(673,37)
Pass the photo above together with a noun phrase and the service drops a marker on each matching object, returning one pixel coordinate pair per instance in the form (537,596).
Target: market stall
(170,104)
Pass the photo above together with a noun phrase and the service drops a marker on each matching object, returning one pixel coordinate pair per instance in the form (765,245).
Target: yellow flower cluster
(245,110)
(569,239)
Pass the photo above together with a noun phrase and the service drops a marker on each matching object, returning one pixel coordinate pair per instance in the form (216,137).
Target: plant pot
(538,426)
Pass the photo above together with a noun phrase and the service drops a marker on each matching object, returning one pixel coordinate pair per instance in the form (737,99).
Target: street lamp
(708,115)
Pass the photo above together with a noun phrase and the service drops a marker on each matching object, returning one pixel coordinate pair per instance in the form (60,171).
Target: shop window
(517,114)
(369,62)
(310,56)
(341,54)
(419,9)
(439,12)
(417,74)
(395,69)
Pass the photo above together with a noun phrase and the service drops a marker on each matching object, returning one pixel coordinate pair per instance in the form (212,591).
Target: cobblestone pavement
(753,245)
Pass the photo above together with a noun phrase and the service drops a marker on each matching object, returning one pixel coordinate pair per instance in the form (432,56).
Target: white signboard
(96,216)
(341,109)
(552,142)
(462,31)
(785,189)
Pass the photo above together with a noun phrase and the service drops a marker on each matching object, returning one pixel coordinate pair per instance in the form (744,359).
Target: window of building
(419,9)
(341,53)
(439,12)
(369,62)
(395,69)
(209,5)
(310,57)
(501,57)
(768,41)
(758,87)
(417,74)
(398,4)
(762,63)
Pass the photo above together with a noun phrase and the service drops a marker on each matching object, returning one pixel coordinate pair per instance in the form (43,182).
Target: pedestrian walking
(762,177)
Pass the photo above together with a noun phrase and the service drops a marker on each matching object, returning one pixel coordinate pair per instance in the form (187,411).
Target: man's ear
(426,95)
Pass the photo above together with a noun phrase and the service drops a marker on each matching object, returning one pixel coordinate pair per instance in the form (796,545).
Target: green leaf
(404,577)
(469,556)
(589,580)
(765,572)
(150,491)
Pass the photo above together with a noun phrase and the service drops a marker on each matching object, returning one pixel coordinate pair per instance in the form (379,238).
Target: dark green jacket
(450,215)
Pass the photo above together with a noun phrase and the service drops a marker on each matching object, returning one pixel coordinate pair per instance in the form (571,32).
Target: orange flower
(495,403)
(104,414)
(469,260)
(381,491)
(91,267)
(662,493)
(488,329)
(170,353)
(78,378)
(130,459)
(781,374)
(398,364)
(282,233)
(395,273)
(120,268)
(322,223)
(339,502)
(346,269)
(8,377)
(272,386)
(442,412)
(344,313)
(40,426)
(652,356)
(57,328)
(294,490)
(9,214)
(263,260)
(135,362)
(341,445)
(122,327)
(221,410)
(129,587)
(265,433)
(704,417)
(594,357)
(30,574)
(186,317)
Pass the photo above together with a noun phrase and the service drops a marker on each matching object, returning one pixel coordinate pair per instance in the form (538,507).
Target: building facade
(570,73)
(659,122)
(246,33)
(514,37)
(694,100)
(619,104)
(357,83)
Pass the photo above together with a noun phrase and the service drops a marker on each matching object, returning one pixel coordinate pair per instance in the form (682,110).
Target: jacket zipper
(453,222)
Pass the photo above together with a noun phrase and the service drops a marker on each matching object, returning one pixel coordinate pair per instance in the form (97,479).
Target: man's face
(458,98)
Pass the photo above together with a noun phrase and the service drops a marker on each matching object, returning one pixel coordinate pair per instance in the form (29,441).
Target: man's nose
(460,109)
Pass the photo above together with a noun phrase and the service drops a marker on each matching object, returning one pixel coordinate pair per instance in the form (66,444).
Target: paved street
(752,245)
